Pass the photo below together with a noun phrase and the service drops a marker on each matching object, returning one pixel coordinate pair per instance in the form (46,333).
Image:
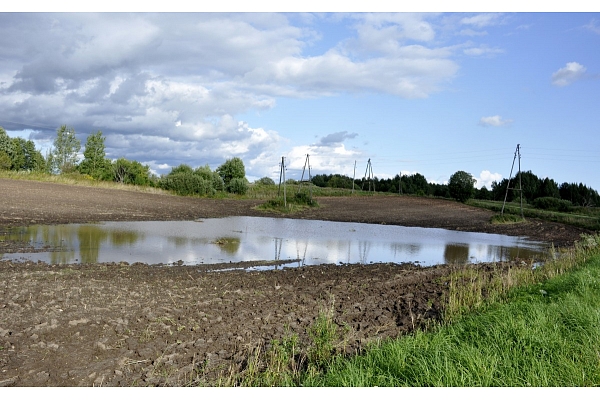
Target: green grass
(584,217)
(506,219)
(541,334)
(76,179)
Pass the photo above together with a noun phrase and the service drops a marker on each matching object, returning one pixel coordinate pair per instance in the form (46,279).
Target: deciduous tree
(231,169)
(94,161)
(66,148)
(461,186)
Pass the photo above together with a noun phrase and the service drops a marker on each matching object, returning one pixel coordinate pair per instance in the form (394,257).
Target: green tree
(17,154)
(461,186)
(66,148)
(5,162)
(231,169)
(130,172)
(5,142)
(210,176)
(94,161)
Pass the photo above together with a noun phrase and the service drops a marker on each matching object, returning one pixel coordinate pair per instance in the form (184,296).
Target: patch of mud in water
(292,242)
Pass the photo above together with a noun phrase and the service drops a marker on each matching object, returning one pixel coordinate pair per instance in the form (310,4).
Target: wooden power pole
(520,189)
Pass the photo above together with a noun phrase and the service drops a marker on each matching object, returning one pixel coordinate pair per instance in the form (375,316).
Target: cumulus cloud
(328,156)
(169,88)
(486,178)
(572,72)
(495,120)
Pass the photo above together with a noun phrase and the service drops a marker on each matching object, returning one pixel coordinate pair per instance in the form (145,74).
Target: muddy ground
(119,324)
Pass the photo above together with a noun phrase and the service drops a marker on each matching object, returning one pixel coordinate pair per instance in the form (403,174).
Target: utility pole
(520,189)
(284,193)
(400,183)
(353,176)
(307,162)
(369,173)
(282,179)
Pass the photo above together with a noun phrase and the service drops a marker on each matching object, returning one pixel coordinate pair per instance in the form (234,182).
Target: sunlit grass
(77,179)
(585,217)
(546,333)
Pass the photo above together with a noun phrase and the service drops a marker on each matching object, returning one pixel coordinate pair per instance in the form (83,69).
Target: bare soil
(119,324)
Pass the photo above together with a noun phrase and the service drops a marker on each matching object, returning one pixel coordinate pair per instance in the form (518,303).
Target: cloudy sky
(432,93)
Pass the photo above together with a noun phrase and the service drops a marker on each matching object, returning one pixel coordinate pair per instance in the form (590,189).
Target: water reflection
(299,242)
(457,253)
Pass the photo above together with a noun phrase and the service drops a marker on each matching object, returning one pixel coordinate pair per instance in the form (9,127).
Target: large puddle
(292,241)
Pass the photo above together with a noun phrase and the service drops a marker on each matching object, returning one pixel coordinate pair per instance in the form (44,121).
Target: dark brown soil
(116,324)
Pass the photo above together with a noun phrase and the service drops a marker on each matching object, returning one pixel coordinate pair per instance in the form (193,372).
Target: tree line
(18,154)
(461,187)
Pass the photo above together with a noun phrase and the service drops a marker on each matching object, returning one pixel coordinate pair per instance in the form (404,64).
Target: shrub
(552,204)
(186,184)
(238,186)
(265,181)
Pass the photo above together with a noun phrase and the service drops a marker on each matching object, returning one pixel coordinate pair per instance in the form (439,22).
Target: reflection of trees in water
(178,241)
(456,253)
(90,238)
(502,253)
(124,238)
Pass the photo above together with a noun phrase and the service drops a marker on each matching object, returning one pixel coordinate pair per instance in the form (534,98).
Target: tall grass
(546,333)
(584,217)
(77,179)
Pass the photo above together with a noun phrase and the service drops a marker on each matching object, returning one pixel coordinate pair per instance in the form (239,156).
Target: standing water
(292,241)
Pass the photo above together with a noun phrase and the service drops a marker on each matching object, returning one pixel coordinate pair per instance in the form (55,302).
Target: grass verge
(546,333)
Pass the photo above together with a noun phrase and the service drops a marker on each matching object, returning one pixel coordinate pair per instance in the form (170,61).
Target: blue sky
(430,92)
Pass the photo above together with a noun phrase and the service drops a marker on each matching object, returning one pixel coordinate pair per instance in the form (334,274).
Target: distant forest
(533,187)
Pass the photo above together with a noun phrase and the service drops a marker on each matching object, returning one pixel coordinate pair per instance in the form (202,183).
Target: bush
(265,181)
(552,204)
(185,184)
(238,186)
(304,198)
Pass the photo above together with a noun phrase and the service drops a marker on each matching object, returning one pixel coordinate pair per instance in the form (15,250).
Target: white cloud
(482,20)
(495,120)
(328,159)
(169,88)
(482,50)
(486,178)
(593,26)
(572,72)
(471,32)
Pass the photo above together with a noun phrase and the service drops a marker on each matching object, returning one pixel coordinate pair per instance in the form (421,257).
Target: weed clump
(507,219)
(297,202)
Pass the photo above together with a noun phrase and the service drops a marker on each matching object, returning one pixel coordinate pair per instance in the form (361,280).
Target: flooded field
(293,242)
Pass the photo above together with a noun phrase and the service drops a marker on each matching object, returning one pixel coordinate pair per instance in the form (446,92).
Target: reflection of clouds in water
(251,238)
